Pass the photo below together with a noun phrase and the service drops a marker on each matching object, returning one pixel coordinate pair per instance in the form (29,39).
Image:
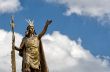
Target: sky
(76,41)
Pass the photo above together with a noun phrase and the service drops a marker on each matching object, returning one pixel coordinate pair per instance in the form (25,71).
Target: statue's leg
(26,68)
(35,70)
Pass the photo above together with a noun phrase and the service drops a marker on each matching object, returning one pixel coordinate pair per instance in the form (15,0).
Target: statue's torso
(31,54)
(32,42)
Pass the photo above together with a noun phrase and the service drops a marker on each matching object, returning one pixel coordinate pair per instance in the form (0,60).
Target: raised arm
(45,29)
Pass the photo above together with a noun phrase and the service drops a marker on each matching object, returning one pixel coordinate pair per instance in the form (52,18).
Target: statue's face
(31,29)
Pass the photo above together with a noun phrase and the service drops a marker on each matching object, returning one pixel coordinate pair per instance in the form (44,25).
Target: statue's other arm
(16,48)
(45,29)
(21,46)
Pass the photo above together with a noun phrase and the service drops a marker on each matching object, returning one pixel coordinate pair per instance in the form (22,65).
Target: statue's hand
(16,48)
(48,22)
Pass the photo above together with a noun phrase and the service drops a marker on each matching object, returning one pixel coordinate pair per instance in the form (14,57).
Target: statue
(31,50)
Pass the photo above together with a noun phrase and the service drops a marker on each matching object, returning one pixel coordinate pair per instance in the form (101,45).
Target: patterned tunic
(31,52)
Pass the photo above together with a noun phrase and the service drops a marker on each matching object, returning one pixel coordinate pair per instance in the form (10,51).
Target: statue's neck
(30,35)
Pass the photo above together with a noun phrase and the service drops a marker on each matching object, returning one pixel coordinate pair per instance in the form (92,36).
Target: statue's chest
(32,41)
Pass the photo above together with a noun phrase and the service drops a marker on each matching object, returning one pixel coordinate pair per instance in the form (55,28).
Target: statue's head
(30,27)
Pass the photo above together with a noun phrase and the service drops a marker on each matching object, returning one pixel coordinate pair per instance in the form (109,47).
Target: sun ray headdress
(30,22)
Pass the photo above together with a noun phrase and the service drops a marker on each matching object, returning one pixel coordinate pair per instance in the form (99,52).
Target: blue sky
(92,28)
(95,37)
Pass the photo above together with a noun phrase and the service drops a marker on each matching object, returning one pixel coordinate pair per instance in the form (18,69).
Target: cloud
(9,6)
(94,8)
(62,54)
(66,55)
(5,49)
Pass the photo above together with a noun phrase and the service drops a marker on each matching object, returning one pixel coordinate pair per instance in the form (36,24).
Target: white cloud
(9,6)
(5,49)
(92,8)
(62,54)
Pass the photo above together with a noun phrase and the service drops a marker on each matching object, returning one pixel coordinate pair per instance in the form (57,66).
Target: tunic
(31,53)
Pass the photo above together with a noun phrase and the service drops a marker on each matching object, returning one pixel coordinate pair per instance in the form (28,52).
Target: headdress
(30,22)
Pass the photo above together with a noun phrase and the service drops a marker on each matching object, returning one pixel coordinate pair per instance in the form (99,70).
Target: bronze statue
(31,50)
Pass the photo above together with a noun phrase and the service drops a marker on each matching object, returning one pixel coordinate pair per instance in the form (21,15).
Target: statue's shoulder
(24,38)
(36,36)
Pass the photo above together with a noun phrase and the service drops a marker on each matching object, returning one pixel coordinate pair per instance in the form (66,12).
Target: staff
(13,61)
